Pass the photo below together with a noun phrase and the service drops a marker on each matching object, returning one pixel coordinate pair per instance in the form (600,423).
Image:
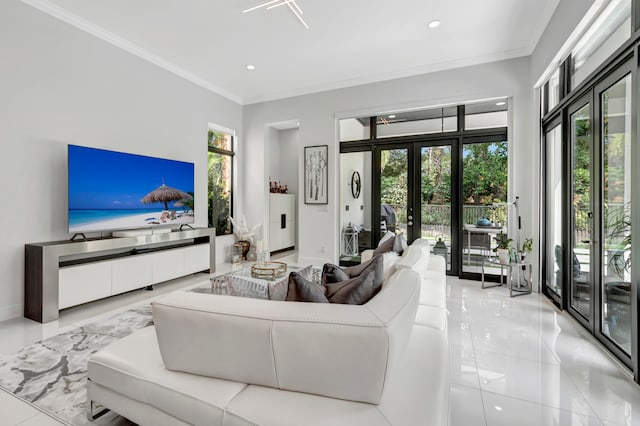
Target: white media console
(62,274)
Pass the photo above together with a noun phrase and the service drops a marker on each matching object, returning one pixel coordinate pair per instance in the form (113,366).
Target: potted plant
(527,246)
(503,243)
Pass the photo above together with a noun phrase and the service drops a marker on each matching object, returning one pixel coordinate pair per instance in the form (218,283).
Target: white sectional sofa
(225,360)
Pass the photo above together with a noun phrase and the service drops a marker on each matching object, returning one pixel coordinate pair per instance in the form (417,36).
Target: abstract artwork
(315,174)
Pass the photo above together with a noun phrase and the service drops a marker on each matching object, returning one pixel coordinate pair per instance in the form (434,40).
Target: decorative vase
(503,255)
(245,248)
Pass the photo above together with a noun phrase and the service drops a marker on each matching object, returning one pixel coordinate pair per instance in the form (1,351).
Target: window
(608,32)
(220,178)
(486,115)
(436,120)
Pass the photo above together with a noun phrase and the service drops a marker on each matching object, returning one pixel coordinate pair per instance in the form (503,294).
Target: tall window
(220,176)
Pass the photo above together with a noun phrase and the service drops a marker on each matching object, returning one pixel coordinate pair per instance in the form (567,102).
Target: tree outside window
(220,177)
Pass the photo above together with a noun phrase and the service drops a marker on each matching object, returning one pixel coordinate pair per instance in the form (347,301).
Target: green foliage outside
(219,191)
(484,177)
(485,168)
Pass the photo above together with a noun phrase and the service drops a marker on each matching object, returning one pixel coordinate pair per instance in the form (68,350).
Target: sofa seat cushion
(431,316)
(133,367)
(436,284)
(432,297)
(259,405)
(437,263)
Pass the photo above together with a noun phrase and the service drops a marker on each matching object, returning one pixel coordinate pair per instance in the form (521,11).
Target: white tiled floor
(514,361)
(520,361)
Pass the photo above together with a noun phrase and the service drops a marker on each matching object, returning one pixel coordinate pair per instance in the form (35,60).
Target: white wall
(319,225)
(284,158)
(350,163)
(566,17)
(59,85)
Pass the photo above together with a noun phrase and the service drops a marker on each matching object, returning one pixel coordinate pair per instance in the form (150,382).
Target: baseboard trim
(315,261)
(10,312)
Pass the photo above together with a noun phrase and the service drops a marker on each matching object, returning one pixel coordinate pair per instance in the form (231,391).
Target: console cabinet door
(168,265)
(196,258)
(83,283)
(131,273)
(282,229)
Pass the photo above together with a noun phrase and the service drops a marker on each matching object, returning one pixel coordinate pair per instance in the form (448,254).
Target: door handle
(586,241)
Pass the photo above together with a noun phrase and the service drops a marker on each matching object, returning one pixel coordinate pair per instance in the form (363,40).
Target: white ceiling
(350,41)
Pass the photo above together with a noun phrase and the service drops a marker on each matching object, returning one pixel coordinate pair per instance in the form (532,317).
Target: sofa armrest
(340,351)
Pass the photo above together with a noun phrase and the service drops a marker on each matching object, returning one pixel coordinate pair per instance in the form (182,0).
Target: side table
(520,269)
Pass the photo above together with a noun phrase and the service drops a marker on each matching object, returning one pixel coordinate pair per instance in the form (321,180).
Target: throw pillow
(399,244)
(354,291)
(386,244)
(333,274)
(303,290)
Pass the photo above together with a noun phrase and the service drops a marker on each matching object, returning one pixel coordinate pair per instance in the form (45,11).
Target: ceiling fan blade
(295,12)
(260,5)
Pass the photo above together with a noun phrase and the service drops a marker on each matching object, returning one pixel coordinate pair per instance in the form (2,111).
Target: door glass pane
(355,203)
(616,249)
(434,120)
(554,89)
(486,115)
(484,211)
(553,208)
(581,211)
(394,190)
(435,196)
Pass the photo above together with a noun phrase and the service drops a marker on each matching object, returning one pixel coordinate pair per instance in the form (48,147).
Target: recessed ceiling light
(250,67)
(501,103)
(392,116)
(497,407)
(434,24)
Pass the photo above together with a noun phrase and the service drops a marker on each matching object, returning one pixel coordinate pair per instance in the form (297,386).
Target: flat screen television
(111,190)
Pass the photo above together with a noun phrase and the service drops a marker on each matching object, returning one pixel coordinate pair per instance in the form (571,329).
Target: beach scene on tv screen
(112,190)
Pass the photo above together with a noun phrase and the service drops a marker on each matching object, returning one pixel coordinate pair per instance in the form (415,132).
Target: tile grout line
(475,361)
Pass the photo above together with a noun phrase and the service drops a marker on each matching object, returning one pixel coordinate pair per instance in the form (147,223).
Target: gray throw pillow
(400,244)
(333,274)
(386,245)
(354,291)
(303,290)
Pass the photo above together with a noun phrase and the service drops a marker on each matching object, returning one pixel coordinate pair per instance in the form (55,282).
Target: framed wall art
(316,181)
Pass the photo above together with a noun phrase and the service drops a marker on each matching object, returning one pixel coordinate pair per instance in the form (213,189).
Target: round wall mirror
(356,184)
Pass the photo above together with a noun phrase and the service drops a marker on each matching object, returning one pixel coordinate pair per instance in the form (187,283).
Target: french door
(414,193)
(592,278)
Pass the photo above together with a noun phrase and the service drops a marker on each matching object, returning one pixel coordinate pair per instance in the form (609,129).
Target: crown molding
(82,24)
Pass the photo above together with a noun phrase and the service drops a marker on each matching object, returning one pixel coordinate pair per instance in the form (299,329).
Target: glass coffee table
(250,279)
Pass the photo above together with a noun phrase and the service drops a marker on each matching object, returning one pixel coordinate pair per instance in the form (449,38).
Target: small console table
(61,274)
(519,267)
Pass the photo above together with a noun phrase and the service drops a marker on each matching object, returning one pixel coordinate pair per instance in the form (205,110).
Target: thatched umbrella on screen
(164,194)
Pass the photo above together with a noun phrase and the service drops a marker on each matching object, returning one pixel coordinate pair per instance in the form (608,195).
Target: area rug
(52,373)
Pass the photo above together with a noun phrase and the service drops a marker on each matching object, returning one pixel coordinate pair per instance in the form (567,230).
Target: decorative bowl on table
(269,270)
(483,221)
